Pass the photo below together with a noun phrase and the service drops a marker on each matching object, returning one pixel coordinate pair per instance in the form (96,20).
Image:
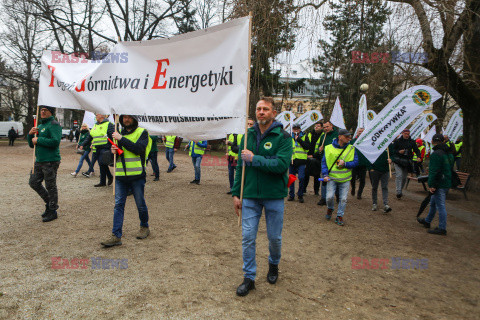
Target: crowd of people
(270,157)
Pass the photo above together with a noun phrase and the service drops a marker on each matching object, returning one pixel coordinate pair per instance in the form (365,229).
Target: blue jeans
(300,170)
(152,157)
(437,201)
(231,171)
(169,155)
(342,194)
(251,213)
(197,161)
(121,190)
(86,158)
(92,164)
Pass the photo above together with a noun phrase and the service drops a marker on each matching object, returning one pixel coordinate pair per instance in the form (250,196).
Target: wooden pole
(115,155)
(246,114)
(389,166)
(35,146)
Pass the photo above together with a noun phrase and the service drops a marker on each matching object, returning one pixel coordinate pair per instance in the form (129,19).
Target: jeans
(85,157)
(92,164)
(197,161)
(152,157)
(342,194)
(251,213)
(232,165)
(169,155)
(400,178)
(375,178)
(121,191)
(46,171)
(360,172)
(437,201)
(300,170)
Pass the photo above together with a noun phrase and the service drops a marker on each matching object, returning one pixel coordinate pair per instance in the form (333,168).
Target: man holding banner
(403,150)
(130,176)
(337,164)
(265,161)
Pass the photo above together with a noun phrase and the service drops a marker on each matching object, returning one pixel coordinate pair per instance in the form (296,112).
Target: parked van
(5,126)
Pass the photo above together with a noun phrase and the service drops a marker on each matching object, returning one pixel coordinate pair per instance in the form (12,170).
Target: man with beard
(265,161)
(130,176)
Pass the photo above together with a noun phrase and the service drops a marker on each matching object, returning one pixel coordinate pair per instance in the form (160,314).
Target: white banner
(455,126)
(193,85)
(396,116)
(429,136)
(89,119)
(308,119)
(286,118)
(421,124)
(362,113)
(337,115)
(370,116)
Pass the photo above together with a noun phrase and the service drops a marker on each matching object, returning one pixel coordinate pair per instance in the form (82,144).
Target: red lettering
(355,261)
(55,263)
(374,264)
(51,68)
(375,57)
(160,73)
(224,161)
(73,264)
(366,265)
(207,160)
(55,57)
(384,263)
(356,57)
(73,58)
(82,87)
(83,263)
(365,58)
(385,57)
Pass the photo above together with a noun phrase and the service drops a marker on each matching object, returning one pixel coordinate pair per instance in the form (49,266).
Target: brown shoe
(112,241)
(143,233)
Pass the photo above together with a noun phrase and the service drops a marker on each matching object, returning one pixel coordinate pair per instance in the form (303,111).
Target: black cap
(51,109)
(296,126)
(344,132)
(438,137)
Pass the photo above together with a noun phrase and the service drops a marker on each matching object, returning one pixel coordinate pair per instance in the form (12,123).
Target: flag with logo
(395,117)
(370,116)
(455,126)
(308,119)
(337,115)
(421,124)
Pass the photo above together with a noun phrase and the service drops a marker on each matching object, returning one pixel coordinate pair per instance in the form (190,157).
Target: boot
(245,287)
(44,214)
(51,215)
(272,275)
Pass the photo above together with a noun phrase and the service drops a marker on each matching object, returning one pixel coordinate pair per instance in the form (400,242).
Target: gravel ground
(191,264)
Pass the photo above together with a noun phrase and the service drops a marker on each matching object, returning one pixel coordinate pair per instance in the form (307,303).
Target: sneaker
(290,199)
(322,202)
(300,199)
(112,241)
(174,168)
(441,232)
(92,174)
(86,174)
(197,181)
(328,216)
(339,221)
(399,195)
(74,174)
(143,233)
(168,171)
(245,287)
(387,209)
(374,207)
(425,223)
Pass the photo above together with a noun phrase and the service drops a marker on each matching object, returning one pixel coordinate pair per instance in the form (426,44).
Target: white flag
(429,136)
(286,118)
(362,113)
(370,116)
(193,85)
(308,119)
(89,119)
(337,115)
(396,116)
(421,124)
(455,126)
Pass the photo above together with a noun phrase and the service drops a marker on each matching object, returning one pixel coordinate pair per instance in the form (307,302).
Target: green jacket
(48,142)
(266,177)
(154,144)
(440,167)
(83,135)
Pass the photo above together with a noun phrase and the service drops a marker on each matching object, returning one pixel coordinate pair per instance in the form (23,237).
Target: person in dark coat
(12,135)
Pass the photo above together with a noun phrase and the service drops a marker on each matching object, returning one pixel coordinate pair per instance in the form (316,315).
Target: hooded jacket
(440,167)
(48,142)
(138,147)
(266,176)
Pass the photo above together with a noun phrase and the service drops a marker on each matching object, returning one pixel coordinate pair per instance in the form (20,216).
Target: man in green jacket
(47,160)
(266,162)
(439,181)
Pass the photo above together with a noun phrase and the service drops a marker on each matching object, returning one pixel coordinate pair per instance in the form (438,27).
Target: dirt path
(191,265)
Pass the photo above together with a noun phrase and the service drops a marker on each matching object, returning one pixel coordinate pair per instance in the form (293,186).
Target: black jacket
(408,145)
(313,141)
